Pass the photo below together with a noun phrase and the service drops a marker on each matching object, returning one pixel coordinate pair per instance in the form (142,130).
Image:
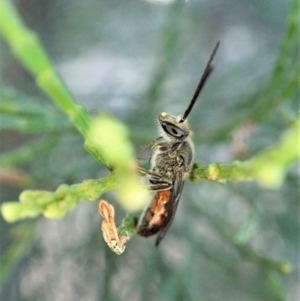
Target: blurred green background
(135,59)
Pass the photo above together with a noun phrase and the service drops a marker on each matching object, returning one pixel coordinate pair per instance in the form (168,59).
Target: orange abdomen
(154,216)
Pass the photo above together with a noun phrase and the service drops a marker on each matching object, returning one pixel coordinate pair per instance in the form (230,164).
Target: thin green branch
(26,46)
(27,114)
(22,236)
(268,167)
(56,204)
(115,147)
(25,153)
(288,46)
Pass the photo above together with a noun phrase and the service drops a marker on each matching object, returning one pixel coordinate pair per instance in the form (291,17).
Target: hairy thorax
(168,157)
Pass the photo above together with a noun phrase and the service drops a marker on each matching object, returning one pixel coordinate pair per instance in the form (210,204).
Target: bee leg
(153,174)
(157,181)
(160,186)
(151,143)
(142,170)
(148,172)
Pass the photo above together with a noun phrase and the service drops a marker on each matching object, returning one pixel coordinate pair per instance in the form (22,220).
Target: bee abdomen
(154,217)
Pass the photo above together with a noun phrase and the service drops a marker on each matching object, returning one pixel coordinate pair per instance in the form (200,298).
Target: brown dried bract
(115,241)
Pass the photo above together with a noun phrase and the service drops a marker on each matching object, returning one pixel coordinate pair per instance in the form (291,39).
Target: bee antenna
(207,71)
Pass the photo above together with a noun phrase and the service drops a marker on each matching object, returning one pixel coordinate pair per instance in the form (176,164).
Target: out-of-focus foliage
(135,59)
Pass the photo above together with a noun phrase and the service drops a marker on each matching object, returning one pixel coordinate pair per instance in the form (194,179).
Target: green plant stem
(269,167)
(25,153)
(56,204)
(26,46)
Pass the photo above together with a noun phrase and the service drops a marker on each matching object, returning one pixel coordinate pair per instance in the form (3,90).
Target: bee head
(177,128)
(171,128)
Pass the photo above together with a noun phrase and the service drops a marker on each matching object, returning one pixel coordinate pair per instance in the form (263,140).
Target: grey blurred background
(134,59)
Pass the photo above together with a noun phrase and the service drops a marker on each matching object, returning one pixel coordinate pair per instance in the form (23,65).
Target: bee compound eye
(172,130)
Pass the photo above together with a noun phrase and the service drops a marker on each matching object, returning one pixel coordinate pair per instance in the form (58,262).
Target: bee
(171,161)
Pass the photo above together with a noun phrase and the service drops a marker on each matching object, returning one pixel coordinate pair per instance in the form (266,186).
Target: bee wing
(174,198)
